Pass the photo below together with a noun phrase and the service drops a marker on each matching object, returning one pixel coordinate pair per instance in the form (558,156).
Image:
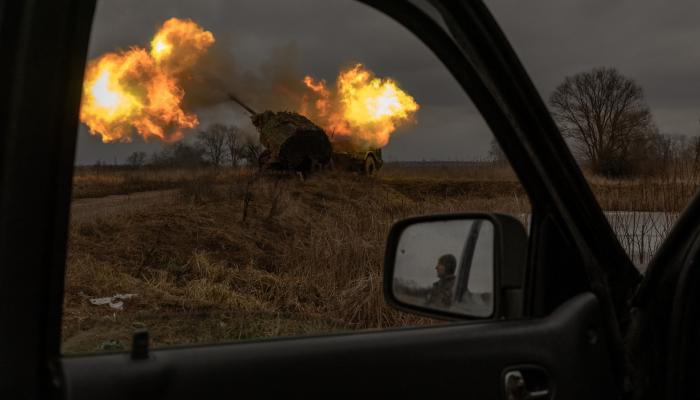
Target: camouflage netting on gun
(292,140)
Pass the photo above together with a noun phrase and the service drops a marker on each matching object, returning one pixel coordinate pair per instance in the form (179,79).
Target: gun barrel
(234,98)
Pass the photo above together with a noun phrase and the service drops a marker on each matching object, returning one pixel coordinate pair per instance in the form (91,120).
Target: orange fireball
(137,90)
(178,44)
(363,108)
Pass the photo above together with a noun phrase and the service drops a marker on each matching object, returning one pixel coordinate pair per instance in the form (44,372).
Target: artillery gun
(292,142)
(352,157)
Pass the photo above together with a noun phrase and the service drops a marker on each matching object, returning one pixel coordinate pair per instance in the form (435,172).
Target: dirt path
(87,210)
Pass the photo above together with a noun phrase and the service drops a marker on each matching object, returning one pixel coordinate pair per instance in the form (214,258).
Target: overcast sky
(649,41)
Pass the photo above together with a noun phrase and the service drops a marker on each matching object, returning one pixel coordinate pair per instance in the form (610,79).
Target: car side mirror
(458,266)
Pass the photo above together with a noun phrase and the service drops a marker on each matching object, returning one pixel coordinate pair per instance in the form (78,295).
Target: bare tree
(136,159)
(234,144)
(213,141)
(605,115)
(178,155)
(252,153)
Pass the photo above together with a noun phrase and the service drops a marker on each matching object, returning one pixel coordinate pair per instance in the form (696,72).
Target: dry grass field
(227,255)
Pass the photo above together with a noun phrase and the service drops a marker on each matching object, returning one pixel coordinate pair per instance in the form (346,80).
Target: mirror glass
(446,266)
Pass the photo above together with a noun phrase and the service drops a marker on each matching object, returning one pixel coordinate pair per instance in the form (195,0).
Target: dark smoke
(277,85)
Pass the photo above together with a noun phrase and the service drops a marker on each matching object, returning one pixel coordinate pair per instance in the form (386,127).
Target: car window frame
(56,169)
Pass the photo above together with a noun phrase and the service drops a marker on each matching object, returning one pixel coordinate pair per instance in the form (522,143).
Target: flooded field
(641,232)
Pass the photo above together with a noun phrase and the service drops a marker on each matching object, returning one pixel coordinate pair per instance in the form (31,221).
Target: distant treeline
(216,146)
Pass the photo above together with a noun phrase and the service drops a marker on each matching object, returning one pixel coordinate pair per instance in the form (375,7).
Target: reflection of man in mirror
(441,292)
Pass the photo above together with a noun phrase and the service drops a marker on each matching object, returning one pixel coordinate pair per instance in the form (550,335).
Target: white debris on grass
(114,302)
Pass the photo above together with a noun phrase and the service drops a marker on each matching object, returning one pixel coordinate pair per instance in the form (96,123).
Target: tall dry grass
(92,182)
(236,255)
(450,171)
(306,259)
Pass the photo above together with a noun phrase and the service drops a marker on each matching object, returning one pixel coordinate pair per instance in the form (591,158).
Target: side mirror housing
(457,266)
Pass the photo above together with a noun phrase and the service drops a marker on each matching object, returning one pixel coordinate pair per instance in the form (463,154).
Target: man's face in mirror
(441,271)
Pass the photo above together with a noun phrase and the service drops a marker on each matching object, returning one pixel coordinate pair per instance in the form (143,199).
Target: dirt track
(86,210)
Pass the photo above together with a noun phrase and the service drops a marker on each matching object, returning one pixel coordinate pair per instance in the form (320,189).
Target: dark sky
(649,41)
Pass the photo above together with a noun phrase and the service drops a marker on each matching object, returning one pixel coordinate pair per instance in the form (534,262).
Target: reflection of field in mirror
(478,305)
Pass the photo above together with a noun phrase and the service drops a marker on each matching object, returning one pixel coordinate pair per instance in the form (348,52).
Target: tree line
(610,128)
(216,146)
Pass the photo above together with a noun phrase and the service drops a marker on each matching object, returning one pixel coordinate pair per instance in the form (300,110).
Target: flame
(363,108)
(139,90)
(178,44)
(160,49)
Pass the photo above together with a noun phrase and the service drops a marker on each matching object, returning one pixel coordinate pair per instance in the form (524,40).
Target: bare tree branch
(212,141)
(606,117)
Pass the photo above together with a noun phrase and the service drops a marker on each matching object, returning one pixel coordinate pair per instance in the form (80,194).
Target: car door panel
(44,48)
(568,346)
